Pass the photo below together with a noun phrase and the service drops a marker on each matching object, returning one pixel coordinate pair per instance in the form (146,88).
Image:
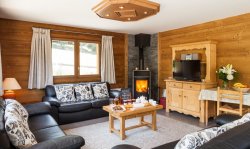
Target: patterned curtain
(107,61)
(40,73)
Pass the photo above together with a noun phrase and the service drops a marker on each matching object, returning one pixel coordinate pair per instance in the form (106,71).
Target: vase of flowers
(226,74)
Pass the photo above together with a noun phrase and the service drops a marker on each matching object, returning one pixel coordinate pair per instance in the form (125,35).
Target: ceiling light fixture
(127,10)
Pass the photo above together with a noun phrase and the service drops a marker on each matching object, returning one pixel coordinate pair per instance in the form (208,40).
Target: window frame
(98,58)
(77,77)
(64,76)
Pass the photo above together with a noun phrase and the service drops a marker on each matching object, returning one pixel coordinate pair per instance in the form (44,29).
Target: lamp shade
(11,84)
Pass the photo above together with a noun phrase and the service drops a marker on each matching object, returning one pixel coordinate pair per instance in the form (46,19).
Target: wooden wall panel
(232,35)
(15,40)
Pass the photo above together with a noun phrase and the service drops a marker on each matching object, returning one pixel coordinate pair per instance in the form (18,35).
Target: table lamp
(10,84)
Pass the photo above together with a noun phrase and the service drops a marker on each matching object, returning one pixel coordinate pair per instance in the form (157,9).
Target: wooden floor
(174,115)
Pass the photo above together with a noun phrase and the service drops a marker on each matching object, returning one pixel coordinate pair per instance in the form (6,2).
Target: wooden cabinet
(183,96)
(191,101)
(176,100)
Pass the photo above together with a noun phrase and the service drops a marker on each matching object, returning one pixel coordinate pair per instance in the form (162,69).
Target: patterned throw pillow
(100,90)
(196,139)
(83,92)
(17,127)
(14,105)
(65,93)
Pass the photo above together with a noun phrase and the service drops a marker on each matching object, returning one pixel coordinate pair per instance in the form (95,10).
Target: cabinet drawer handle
(190,86)
(185,96)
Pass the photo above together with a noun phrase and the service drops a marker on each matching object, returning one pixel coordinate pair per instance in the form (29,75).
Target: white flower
(230,77)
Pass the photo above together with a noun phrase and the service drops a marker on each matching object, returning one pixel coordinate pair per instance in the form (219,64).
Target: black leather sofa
(46,130)
(65,113)
(235,138)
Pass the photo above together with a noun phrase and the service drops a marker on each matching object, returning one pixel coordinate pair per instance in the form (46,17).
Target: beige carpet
(97,136)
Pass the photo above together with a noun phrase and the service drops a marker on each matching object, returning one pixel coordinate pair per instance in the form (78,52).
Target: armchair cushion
(66,142)
(38,108)
(74,106)
(52,100)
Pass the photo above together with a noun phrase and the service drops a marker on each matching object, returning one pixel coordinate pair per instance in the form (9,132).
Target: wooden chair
(231,95)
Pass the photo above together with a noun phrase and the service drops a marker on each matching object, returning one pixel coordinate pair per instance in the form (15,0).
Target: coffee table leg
(122,128)
(111,123)
(142,119)
(154,121)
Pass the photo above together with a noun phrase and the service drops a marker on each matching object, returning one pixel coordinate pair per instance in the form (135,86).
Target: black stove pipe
(142,41)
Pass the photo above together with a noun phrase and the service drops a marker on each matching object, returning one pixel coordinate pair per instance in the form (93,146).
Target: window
(63,58)
(73,58)
(89,58)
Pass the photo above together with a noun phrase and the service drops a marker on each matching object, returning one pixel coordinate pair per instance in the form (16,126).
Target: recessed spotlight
(121,7)
(145,12)
(129,19)
(107,15)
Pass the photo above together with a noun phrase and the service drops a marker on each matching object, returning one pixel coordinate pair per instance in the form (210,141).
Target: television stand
(183,97)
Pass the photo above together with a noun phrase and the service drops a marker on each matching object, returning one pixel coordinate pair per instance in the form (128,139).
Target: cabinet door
(191,100)
(176,97)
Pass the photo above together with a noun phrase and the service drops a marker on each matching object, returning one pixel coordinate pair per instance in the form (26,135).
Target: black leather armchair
(46,130)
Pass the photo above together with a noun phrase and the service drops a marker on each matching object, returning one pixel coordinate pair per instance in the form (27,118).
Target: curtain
(1,73)
(40,73)
(107,61)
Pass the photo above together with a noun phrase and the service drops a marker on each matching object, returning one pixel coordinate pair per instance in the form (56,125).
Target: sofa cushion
(65,93)
(74,106)
(100,90)
(48,133)
(17,128)
(99,103)
(14,106)
(83,92)
(41,121)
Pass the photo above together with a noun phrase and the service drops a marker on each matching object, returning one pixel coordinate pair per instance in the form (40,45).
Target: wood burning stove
(141,78)
(141,83)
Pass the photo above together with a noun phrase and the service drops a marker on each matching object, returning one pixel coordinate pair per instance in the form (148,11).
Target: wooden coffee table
(129,114)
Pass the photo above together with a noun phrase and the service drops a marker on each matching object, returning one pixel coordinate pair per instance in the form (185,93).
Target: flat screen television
(187,70)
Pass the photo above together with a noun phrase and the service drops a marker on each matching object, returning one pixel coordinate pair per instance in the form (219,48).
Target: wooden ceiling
(126,10)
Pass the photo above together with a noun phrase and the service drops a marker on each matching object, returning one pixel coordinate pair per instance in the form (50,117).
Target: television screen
(187,70)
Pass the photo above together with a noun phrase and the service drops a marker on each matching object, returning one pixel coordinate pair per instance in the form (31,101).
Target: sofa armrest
(38,108)
(114,93)
(66,142)
(53,101)
(226,118)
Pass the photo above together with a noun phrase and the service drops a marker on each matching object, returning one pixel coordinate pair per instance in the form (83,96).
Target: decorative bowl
(244,90)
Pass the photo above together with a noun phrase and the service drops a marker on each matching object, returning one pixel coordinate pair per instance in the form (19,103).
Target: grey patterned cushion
(65,93)
(17,127)
(196,139)
(83,92)
(100,90)
(14,105)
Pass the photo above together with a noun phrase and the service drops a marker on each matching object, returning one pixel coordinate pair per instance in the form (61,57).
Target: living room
(124,74)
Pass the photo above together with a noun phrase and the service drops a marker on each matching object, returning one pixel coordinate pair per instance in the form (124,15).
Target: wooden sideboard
(183,97)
